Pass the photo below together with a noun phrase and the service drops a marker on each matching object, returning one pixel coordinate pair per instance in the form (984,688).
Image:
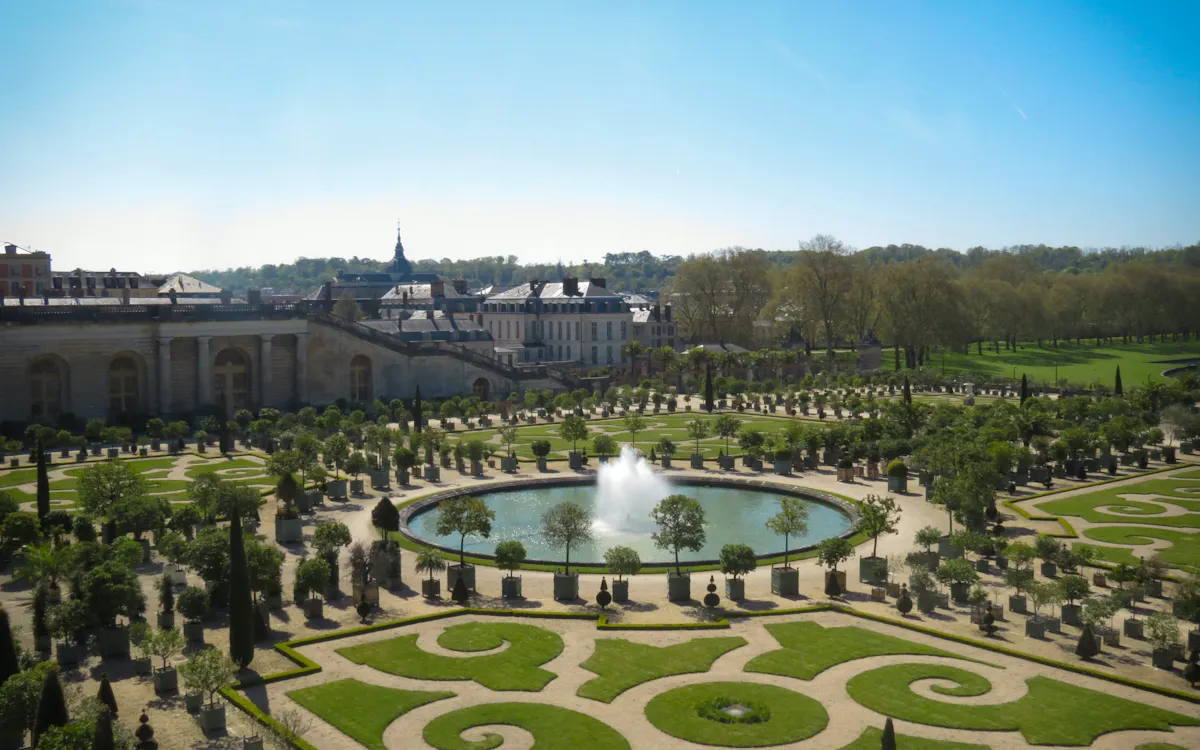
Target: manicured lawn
(623,664)
(553,728)
(872,737)
(783,716)
(1080,364)
(514,668)
(809,649)
(1184,493)
(14,477)
(360,710)
(1050,713)
(1184,551)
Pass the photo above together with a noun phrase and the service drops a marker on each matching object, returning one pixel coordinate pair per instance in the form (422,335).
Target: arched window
(480,389)
(231,381)
(46,384)
(360,380)
(122,386)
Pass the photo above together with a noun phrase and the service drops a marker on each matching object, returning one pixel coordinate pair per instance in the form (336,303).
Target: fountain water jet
(626,491)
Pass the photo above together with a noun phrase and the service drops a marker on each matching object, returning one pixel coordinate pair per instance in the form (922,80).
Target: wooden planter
(785,581)
(679,587)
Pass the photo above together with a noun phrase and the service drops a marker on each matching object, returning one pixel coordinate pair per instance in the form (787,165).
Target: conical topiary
(51,708)
(241,614)
(888,741)
(363,608)
(103,738)
(1086,648)
(9,665)
(105,695)
(385,517)
(1117,387)
(833,588)
(43,482)
(460,593)
(1024,388)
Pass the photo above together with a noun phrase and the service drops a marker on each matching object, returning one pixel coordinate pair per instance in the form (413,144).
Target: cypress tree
(241,614)
(105,694)
(1024,388)
(1117,387)
(416,410)
(907,392)
(708,394)
(888,741)
(103,738)
(52,707)
(459,594)
(43,482)
(9,665)
(1086,648)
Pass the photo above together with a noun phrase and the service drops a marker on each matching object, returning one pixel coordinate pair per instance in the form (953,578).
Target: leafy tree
(633,425)
(879,515)
(313,576)
(208,554)
(604,445)
(193,603)
(565,524)
(726,427)
(792,518)
(138,515)
(833,552)
(207,671)
(574,428)
(680,521)
(346,307)
(510,555)
(697,430)
(45,564)
(241,615)
(336,452)
(430,561)
(466,516)
(1073,588)
(666,447)
(622,561)
(103,484)
(737,560)
(112,589)
(329,538)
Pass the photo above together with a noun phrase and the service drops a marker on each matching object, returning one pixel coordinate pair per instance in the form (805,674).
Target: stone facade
(185,360)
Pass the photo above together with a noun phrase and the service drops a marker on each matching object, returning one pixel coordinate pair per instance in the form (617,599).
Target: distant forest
(644,271)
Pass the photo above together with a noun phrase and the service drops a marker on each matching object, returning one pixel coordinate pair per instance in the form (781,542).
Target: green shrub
(897,469)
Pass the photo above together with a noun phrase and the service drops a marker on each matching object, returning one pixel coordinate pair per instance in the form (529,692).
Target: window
(594,335)
(624,331)
(560,329)
(360,380)
(122,387)
(608,329)
(560,352)
(231,380)
(568,351)
(595,355)
(609,360)
(46,386)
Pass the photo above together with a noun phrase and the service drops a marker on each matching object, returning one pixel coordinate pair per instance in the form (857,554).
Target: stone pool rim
(429,502)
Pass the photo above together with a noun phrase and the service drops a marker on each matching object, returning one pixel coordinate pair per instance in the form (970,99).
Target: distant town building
(653,327)
(23,272)
(581,323)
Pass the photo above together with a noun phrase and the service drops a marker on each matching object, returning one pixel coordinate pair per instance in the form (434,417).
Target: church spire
(400,264)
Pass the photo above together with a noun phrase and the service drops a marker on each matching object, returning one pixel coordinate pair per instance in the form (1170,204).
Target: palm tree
(45,563)
(633,350)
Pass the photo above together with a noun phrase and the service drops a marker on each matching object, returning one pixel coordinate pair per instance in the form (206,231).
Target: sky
(156,135)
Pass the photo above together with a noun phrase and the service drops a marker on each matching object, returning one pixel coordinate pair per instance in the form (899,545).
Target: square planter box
(1112,637)
(193,701)
(69,654)
(1049,570)
(959,592)
(735,589)
(893,590)
(114,642)
(143,666)
(982,565)
(725,462)
(998,611)
(381,479)
(166,681)
(898,484)
(252,743)
(510,465)
(927,602)
(878,594)
(1053,624)
(1099,580)
(358,593)
(1163,658)
(431,588)
(467,572)
(1154,589)
(336,489)
(575,460)
(510,587)
(1134,629)
(566,587)
(1070,614)
(304,502)
(314,609)
(697,460)
(679,587)
(289,530)
(841,579)
(541,464)
(193,632)
(943,600)
(785,581)
(1035,628)
(782,468)
(872,570)
(948,550)
(620,591)
(433,474)
(356,486)
(212,718)
(1193,640)
(666,462)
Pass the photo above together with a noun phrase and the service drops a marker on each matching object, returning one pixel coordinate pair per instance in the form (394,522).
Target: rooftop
(557,290)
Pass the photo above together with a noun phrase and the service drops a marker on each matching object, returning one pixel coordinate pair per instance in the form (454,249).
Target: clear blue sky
(162,135)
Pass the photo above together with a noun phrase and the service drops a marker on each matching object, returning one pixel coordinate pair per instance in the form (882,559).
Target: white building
(576,322)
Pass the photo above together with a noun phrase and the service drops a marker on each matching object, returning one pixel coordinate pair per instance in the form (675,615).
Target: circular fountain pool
(620,501)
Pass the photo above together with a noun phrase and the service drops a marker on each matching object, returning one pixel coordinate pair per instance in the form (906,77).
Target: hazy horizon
(157,135)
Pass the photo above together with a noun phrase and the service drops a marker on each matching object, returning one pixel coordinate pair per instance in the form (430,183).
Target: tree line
(830,295)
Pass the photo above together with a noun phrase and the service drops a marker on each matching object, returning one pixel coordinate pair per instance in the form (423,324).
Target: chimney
(10,249)
(667,311)
(174,297)
(226,296)
(328,292)
(45,299)
(571,287)
(602,283)
(437,288)
(657,312)
(460,286)
(254,296)
(125,296)
(429,314)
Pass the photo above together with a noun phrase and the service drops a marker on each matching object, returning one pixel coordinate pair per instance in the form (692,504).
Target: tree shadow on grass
(755,605)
